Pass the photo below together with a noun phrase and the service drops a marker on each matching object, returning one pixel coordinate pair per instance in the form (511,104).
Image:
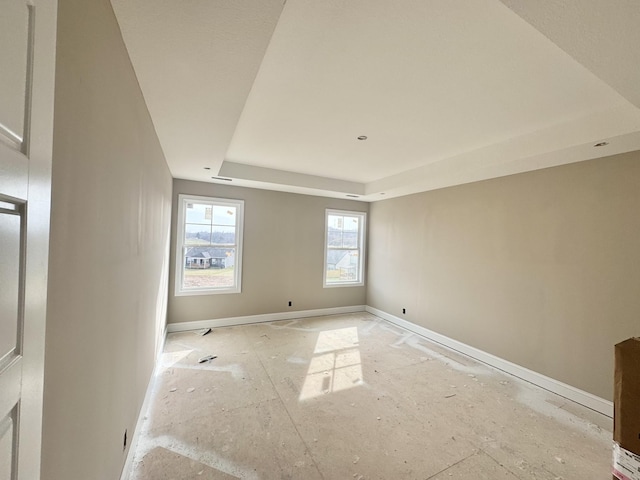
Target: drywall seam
(128,463)
(267,317)
(572,393)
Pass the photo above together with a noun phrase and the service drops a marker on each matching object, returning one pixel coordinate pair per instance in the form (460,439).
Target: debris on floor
(203,332)
(206,358)
(247,419)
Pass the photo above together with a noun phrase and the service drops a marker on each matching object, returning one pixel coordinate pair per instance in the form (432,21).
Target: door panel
(26,137)
(11,274)
(14,61)
(17,25)
(8,446)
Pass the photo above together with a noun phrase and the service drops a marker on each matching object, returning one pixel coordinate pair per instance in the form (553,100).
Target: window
(209,245)
(344,248)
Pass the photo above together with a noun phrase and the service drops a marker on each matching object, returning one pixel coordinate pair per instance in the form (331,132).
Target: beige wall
(109,249)
(283,256)
(541,268)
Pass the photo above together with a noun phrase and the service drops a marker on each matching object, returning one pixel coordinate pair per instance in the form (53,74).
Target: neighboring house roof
(207,252)
(200,255)
(334,256)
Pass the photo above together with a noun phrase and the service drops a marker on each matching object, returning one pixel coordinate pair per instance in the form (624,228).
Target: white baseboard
(128,463)
(572,393)
(267,317)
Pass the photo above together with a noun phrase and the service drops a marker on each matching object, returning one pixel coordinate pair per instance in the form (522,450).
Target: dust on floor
(354,397)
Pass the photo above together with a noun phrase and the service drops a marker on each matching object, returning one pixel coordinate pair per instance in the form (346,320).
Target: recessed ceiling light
(353,196)
(222,178)
(207,168)
(601,144)
(362,137)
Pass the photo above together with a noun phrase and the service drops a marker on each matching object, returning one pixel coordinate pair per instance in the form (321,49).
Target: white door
(27,59)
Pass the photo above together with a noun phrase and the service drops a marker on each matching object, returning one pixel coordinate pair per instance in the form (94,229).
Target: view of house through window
(344,248)
(209,245)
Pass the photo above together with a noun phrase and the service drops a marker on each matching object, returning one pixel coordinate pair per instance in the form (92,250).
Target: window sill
(337,285)
(189,293)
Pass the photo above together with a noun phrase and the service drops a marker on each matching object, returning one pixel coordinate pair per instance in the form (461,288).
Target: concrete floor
(354,397)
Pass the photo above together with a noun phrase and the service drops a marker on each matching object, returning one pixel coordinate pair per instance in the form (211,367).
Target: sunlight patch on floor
(169,359)
(336,364)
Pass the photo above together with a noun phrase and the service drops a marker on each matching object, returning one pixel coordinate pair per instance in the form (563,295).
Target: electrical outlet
(290,303)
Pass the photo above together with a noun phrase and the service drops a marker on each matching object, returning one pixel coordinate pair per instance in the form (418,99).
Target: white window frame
(361,248)
(183,200)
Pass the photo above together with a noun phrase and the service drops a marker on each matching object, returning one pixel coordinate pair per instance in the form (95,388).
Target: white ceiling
(447,91)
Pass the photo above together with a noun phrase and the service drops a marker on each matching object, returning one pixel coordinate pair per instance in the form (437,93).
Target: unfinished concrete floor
(354,397)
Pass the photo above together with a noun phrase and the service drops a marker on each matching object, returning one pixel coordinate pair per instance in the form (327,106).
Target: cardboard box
(626,411)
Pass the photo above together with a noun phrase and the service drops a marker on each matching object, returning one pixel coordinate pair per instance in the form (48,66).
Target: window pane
(334,231)
(350,224)
(334,238)
(224,215)
(335,222)
(350,239)
(224,235)
(209,267)
(342,231)
(350,235)
(342,266)
(198,213)
(197,234)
